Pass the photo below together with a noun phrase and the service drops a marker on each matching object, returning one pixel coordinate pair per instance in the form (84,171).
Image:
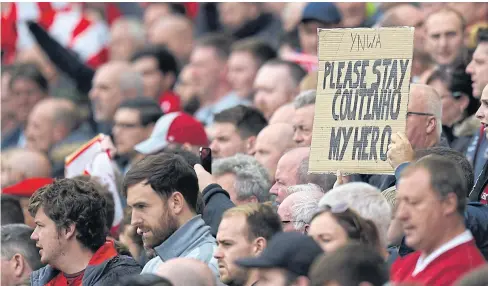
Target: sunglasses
(350,224)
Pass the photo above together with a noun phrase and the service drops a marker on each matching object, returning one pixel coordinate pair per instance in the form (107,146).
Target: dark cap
(292,251)
(325,12)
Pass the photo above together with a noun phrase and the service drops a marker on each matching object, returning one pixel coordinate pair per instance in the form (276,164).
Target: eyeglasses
(127,125)
(419,113)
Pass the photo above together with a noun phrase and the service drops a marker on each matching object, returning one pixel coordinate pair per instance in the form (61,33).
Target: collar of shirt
(423,262)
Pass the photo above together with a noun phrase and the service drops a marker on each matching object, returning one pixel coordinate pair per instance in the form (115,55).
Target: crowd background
(162,80)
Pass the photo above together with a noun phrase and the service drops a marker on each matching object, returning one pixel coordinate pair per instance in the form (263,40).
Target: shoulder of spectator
(211,190)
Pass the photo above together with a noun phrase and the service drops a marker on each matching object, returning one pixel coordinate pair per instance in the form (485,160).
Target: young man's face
(478,69)
(226,140)
(150,214)
(151,75)
(444,40)
(48,238)
(233,243)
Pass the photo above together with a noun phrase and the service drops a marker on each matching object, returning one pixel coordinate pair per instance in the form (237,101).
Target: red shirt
(67,280)
(104,253)
(443,270)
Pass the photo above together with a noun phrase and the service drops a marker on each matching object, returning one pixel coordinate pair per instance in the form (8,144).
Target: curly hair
(71,201)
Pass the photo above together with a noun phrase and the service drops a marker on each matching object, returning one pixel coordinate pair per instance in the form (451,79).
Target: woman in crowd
(334,226)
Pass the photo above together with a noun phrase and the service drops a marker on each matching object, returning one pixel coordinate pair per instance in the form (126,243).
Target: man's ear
(259,245)
(463,103)
(18,265)
(70,231)
(306,228)
(250,145)
(431,125)
(60,131)
(176,203)
(169,80)
(450,203)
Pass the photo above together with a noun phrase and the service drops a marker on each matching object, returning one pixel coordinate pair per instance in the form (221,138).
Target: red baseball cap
(28,187)
(175,127)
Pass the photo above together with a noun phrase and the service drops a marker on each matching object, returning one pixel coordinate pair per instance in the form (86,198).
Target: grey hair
(324,181)
(303,188)
(131,81)
(305,98)
(252,178)
(134,28)
(16,239)
(304,207)
(367,201)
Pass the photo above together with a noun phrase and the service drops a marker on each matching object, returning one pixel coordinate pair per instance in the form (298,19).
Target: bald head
(176,33)
(406,15)
(21,164)
(50,121)
(111,85)
(401,15)
(424,124)
(283,114)
(300,206)
(272,142)
(187,271)
(126,37)
(287,172)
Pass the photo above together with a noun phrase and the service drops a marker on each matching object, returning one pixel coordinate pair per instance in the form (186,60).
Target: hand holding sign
(341,179)
(400,150)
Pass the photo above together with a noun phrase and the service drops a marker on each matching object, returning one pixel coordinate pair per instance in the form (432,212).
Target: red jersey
(448,265)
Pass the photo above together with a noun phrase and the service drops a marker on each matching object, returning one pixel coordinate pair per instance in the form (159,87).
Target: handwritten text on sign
(362,97)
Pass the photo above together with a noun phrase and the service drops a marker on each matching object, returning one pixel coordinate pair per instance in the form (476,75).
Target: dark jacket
(105,268)
(480,185)
(216,201)
(266,27)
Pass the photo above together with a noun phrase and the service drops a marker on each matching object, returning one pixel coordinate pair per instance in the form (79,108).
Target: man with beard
(244,231)
(162,191)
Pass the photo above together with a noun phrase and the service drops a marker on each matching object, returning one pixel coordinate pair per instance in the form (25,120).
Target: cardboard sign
(362,98)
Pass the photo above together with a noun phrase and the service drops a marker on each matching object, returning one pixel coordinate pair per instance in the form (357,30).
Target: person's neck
(185,217)
(74,260)
(214,96)
(252,278)
(448,233)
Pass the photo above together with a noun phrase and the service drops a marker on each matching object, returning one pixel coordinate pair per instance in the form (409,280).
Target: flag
(94,159)
(64,21)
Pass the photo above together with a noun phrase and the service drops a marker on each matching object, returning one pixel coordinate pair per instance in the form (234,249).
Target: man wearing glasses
(134,121)
(424,128)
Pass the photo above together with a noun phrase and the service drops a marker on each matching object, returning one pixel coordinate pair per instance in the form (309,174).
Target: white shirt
(423,262)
